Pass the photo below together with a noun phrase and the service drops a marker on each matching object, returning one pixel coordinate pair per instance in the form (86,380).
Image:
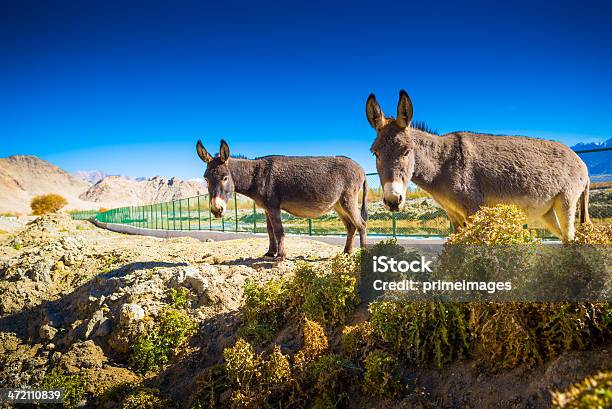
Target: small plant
(331,377)
(514,333)
(179,299)
(49,203)
(73,385)
(264,309)
(381,377)
(277,368)
(315,342)
(357,339)
(592,392)
(153,350)
(17,246)
(209,387)
(244,370)
(144,398)
(323,296)
(422,332)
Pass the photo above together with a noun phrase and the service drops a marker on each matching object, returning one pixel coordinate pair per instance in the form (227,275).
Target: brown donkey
(303,186)
(464,171)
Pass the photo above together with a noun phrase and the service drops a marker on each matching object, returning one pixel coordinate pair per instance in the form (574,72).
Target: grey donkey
(463,171)
(303,186)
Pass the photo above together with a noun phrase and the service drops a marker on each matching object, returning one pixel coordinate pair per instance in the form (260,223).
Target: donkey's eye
(224,178)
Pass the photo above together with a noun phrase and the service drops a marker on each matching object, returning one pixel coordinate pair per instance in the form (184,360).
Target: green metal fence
(420,216)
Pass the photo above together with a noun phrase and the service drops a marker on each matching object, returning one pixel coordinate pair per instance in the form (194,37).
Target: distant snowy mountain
(91,176)
(597,162)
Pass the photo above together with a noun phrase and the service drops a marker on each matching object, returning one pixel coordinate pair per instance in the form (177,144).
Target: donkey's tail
(364,200)
(584,205)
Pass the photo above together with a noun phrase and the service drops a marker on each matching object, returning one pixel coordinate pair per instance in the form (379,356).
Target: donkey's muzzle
(217,206)
(394,195)
(393,206)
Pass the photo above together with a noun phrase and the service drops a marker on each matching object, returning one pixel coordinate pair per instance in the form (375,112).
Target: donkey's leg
(272,249)
(565,208)
(552,224)
(350,228)
(279,232)
(348,204)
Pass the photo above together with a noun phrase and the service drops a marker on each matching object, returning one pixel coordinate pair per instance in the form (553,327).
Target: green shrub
(144,398)
(254,379)
(323,296)
(326,294)
(330,378)
(73,385)
(179,299)
(49,203)
(381,376)
(153,350)
(264,307)
(422,332)
(511,334)
(592,392)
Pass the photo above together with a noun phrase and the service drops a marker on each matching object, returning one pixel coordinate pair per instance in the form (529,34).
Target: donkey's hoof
(269,256)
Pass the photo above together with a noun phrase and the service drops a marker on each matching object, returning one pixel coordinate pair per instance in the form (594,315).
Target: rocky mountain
(91,176)
(123,191)
(597,162)
(22,177)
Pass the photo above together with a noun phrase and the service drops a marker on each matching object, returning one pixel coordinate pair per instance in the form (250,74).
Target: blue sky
(128,87)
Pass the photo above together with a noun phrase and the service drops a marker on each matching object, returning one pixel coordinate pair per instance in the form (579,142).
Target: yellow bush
(315,342)
(49,203)
(593,392)
(501,224)
(277,367)
(594,234)
(357,339)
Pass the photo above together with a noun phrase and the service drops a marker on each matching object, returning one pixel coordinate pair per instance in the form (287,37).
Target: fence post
(236,209)
(199,218)
(181,212)
(188,214)
(254,218)
(394,223)
(209,215)
(173,216)
(310,227)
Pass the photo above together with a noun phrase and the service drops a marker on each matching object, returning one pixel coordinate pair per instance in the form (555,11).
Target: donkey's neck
(243,174)
(430,154)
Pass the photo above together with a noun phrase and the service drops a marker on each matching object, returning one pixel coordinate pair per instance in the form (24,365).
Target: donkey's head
(218,177)
(393,149)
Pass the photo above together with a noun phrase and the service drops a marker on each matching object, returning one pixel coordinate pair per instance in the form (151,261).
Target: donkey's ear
(404,110)
(376,118)
(202,152)
(224,151)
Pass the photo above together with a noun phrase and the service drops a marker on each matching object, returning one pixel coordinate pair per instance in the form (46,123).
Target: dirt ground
(72,296)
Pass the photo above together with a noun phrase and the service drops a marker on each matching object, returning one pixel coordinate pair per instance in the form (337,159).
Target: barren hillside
(122,191)
(22,177)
